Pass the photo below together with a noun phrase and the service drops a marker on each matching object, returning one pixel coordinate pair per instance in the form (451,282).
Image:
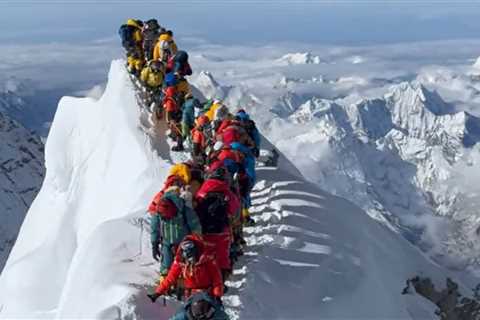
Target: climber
(165,47)
(231,131)
(183,89)
(199,139)
(221,113)
(210,109)
(173,117)
(135,61)
(151,31)
(232,159)
(188,114)
(131,35)
(251,129)
(246,179)
(199,270)
(178,64)
(152,79)
(172,212)
(201,306)
(216,203)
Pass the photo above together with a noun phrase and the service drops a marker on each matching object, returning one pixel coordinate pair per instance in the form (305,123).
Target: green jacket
(172,231)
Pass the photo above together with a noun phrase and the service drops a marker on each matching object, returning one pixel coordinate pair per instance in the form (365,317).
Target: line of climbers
(198,216)
(154,59)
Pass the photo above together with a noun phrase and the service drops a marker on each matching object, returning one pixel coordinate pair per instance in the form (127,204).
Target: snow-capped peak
(207,84)
(16,86)
(476,65)
(299,58)
(415,97)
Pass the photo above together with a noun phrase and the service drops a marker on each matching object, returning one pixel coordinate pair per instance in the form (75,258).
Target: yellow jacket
(182,171)
(137,35)
(183,87)
(211,112)
(151,78)
(158,52)
(135,63)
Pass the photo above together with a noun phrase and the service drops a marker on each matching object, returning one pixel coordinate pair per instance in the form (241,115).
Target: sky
(245,22)
(66,47)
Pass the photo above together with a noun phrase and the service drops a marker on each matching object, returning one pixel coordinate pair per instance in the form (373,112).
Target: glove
(155,252)
(153,296)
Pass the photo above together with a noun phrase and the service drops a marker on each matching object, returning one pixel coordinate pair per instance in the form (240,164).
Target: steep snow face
(22,171)
(299,58)
(316,256)
(83,252)
(71,256)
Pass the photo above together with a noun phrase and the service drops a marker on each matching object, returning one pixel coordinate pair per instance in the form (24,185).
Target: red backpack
(166,209)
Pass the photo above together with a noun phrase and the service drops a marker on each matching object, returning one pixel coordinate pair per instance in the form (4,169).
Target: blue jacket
(248,162)
(188,115)
(172,231)
(253,131)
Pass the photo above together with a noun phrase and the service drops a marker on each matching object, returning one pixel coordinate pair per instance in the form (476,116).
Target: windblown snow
(83,250)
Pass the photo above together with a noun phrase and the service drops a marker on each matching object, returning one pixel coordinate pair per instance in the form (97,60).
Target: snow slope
(67,261)
(21,172)
(83,252)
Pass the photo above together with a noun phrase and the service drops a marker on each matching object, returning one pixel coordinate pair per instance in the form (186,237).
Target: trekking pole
(164,301)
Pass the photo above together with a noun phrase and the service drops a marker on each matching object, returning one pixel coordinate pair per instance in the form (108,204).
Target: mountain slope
(83,245)
(22,171)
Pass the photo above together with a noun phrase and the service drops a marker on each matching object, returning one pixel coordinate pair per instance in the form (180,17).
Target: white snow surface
(299,58)
(81,252)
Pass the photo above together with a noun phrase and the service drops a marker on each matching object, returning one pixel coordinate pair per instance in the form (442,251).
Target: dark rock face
(21,175)
(451,304)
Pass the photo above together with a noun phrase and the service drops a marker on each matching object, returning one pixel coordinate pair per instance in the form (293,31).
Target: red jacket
(171,181)
(214,185)
(170,105)
(225,123)
(205,275)
(228,153)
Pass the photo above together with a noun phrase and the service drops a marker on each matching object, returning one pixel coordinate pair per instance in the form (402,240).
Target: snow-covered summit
(299,58)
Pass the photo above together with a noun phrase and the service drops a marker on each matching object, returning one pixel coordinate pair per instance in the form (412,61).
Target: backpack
(151,25)
(166,209)
(213,212)
(126,35)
